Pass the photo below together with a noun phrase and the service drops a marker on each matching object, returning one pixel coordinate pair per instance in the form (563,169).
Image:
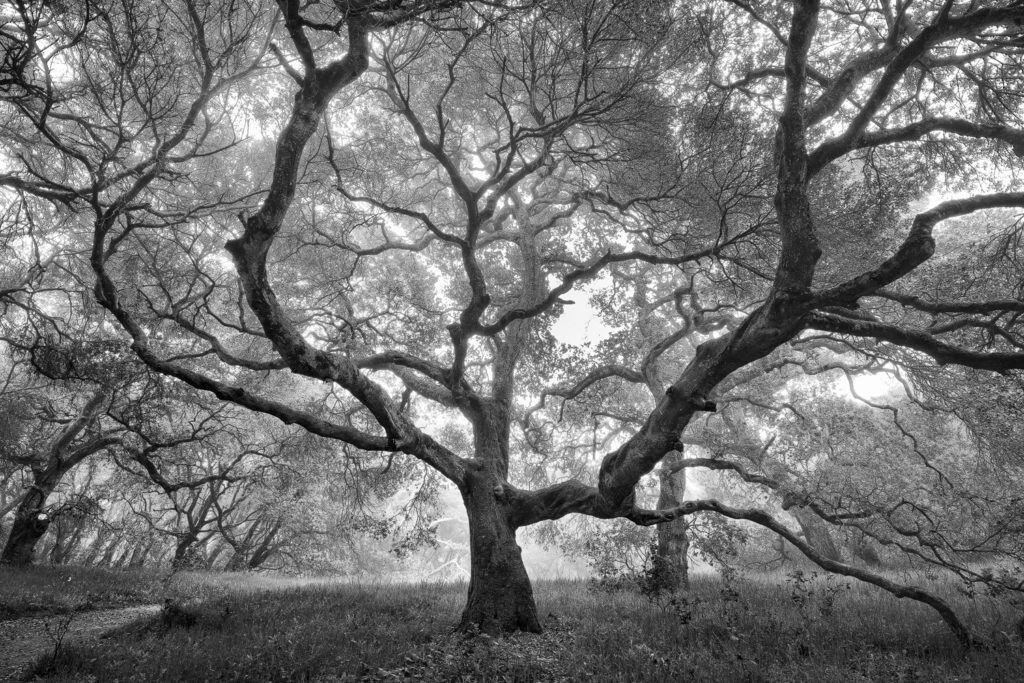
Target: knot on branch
(698,401)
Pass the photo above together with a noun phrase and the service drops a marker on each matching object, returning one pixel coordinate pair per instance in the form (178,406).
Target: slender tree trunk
(500,595)
(266,548)
(72,544)
(30,523)
(215,554)
(96,546)
(108,554)
(140,553)
(59,534)
(122,561)
(241,549)
(671,565)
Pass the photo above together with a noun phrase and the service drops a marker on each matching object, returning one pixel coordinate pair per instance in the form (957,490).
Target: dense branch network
(538,152)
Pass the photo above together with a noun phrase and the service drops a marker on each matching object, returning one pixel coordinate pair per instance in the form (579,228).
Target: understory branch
(761,518)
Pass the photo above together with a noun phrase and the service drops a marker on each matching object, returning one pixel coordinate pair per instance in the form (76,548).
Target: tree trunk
(30,523)
(500,595)
(71,545)
(816,533)
(670,570)
(140,553)
(122,560)
(108,554)
(159,554)
(183,557)
(782,548)
(266,548)
(218,550)
(237,561)
(59,535)
(95,546)
(863,550)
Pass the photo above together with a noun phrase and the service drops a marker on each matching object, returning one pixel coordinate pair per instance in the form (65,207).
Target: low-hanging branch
(947,613)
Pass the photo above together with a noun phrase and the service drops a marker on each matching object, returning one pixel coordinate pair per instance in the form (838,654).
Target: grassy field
(46,590)
(37,591)
(749,629)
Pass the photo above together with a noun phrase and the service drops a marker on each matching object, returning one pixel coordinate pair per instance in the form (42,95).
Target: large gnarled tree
(553,100)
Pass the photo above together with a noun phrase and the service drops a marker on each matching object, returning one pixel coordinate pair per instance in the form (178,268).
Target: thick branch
(800,251)
(942,352)
(938,307)
(89,413)
(832,150)
(916,248)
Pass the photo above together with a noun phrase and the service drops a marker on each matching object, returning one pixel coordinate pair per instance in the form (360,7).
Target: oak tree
(417,274)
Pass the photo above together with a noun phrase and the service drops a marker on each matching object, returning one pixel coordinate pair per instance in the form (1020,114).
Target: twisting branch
(924,342)
(593,377)
(917,248)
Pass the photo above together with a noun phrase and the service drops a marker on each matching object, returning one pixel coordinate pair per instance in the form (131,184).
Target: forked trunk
(500,595)
(185,552)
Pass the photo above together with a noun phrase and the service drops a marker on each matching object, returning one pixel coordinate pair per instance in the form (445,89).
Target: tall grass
(774,628)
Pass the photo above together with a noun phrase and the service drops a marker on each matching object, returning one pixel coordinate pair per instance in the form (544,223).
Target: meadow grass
(42,590)
(767,628)
(46,590)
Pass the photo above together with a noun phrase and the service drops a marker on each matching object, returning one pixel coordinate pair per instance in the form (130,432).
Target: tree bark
(218,550)
(95,546)
(30,523)
(237,561)
(266,548)
(107,559)
(671,566)
(816,533)
(863,550)
(55,552)
(500,594)
(140,553)
(122,560)
(182,559)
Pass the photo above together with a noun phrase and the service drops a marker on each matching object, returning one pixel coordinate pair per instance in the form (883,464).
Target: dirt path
(23,640)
